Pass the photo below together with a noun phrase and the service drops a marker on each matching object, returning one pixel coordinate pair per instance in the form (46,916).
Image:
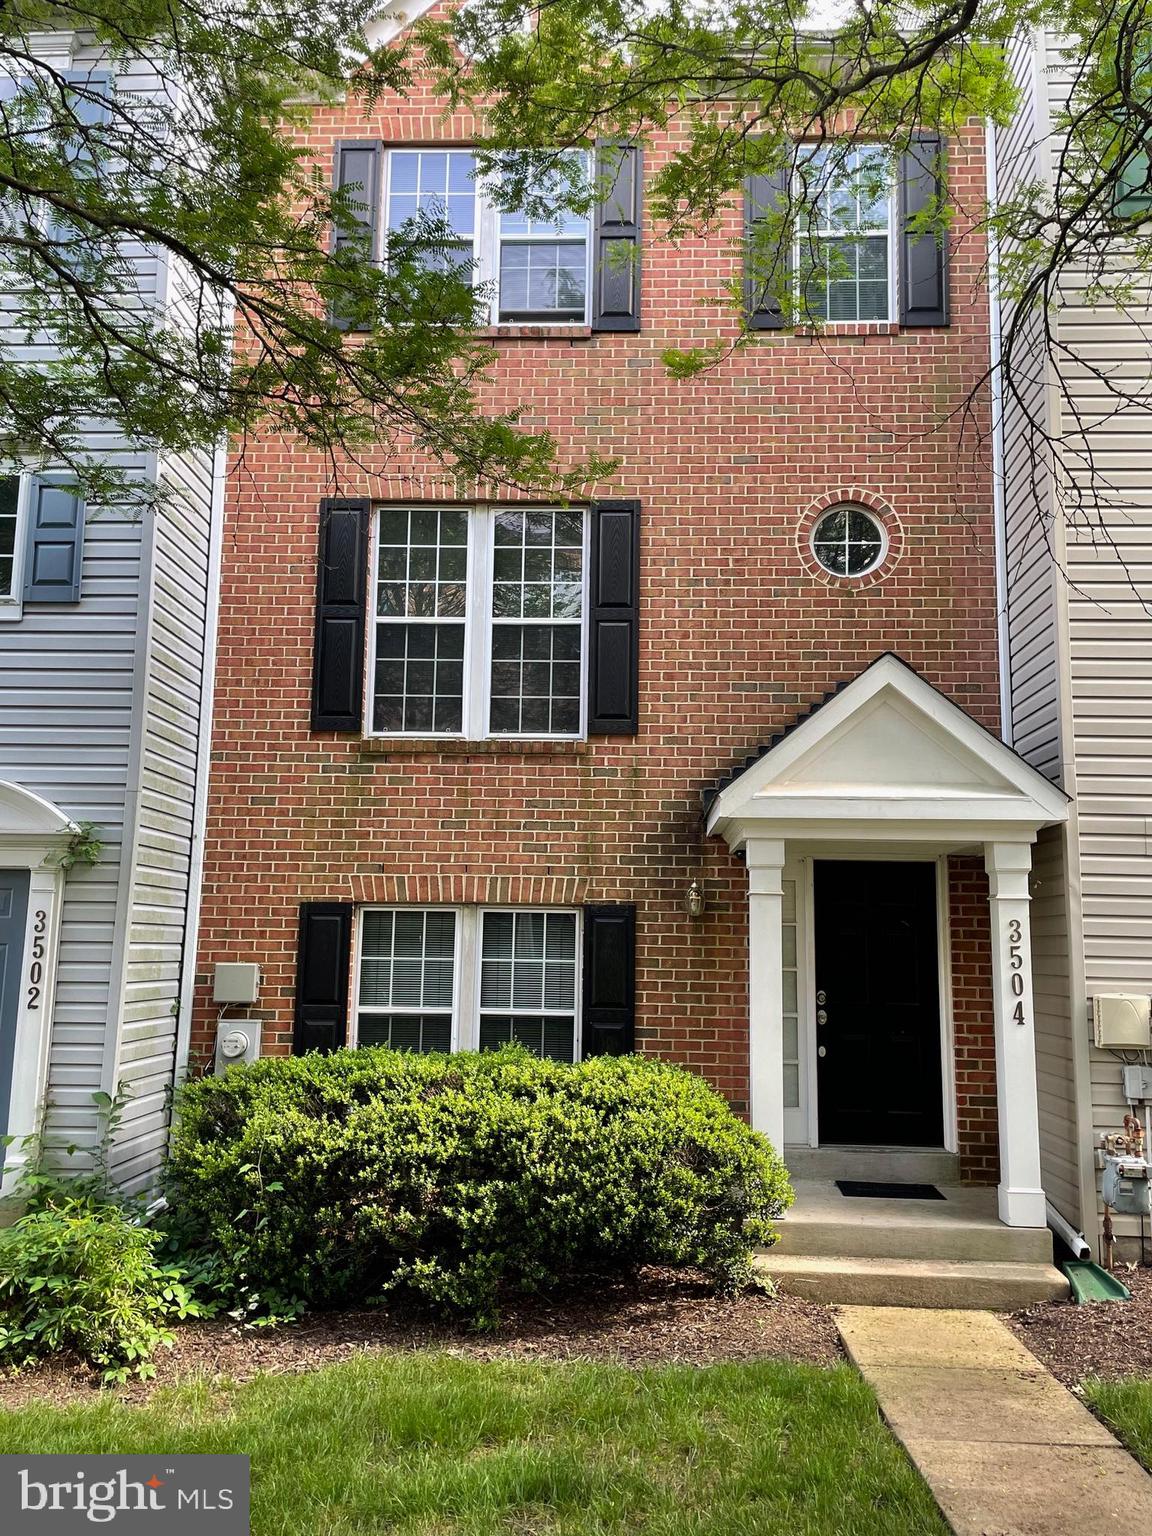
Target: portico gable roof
(886,754)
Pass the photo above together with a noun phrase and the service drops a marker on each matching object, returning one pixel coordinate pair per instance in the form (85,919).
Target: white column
(1021,1198)
(765,859)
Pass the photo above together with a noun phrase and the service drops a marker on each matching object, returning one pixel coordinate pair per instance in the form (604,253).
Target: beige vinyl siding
(1033,649)
(1052,991)
(1100,572)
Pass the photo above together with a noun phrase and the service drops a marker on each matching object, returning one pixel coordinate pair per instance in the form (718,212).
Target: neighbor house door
(877,997)
(13,918)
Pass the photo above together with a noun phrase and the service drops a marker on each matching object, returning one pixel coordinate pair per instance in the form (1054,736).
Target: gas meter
(1125,1186)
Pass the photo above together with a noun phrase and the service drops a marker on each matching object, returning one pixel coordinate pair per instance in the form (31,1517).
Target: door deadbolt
(821,998)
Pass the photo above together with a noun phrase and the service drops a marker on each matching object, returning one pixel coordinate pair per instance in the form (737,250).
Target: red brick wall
(975,1040)
(739,632)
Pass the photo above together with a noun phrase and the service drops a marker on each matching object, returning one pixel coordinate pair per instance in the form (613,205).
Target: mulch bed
(662,1317)
(1106,1339)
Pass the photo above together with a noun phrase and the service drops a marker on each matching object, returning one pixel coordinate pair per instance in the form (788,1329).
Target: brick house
(488,770)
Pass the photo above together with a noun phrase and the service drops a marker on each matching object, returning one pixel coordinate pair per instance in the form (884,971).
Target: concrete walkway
(1006,1450)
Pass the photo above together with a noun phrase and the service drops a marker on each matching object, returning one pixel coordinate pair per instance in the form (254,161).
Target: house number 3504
(1016,968)
(36,969)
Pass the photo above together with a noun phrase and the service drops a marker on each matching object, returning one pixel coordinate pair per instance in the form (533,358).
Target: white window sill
(11,609)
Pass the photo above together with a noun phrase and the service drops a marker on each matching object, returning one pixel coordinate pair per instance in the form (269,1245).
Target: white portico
(846,823)
(34,835)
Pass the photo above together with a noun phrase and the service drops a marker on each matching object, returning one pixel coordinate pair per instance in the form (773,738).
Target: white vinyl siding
(102,712)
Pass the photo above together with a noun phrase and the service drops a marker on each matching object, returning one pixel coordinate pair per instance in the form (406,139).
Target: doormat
(862,1189)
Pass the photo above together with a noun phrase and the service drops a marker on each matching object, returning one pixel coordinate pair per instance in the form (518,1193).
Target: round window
(849,541)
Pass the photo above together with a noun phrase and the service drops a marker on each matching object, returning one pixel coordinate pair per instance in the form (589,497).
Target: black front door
(878,1002)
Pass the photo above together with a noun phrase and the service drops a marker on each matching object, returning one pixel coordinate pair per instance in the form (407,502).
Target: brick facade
(739,632)
(975,1046)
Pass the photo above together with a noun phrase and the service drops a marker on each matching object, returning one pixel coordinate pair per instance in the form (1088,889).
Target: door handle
(821,1050)
(821,1016)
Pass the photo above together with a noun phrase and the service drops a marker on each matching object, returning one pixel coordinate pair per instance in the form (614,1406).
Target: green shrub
(79,1273)
(340,1178)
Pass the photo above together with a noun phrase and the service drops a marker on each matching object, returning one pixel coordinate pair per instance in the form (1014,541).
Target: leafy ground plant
(80,1270)
(83,1275)
(342,1178)
(417,1443)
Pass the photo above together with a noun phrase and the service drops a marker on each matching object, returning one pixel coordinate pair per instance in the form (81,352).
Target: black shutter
(616,232)
(358,168)
(55,549)
(614,662)
(765,194)
(341,599)
(923,257)
(609,980)
(322,963)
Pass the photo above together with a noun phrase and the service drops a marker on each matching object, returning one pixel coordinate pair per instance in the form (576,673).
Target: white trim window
(845,245)
(469,978)
(12,506)
(479,622)
(528,972)
(407,977)
(537,270)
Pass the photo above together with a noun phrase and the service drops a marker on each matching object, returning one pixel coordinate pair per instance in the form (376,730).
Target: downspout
(1068,1233)
(1000,532)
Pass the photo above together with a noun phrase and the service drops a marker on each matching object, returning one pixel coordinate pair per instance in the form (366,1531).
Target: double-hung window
(844,245)
(445,978)
(535,269)
(479,625)
(439,186)
(10,509)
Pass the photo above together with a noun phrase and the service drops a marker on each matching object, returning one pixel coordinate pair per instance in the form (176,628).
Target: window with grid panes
(407,979)
(9,513)
(502,654)
(437,185)
(528,982)
(843,246)
(537,266)
(421,593)
(537,630)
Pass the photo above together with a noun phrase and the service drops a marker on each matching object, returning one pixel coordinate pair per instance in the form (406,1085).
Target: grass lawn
(437,1446)
(1126,1406)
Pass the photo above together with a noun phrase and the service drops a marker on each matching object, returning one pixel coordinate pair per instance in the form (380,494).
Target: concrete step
(823,1223)
(912,1282)
(901,1165)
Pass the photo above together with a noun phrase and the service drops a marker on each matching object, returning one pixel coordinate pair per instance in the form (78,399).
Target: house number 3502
(1016,968)
(36,969)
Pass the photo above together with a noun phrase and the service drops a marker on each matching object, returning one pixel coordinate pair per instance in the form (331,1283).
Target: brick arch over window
(853,496)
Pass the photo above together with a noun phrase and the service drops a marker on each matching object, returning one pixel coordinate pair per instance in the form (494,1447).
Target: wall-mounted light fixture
(694,901)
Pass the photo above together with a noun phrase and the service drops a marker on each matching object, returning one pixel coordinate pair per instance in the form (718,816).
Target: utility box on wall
(237,1042)
(236,982)
(1120,1021)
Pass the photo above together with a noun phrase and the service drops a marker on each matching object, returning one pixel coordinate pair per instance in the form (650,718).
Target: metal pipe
(1065,1230)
